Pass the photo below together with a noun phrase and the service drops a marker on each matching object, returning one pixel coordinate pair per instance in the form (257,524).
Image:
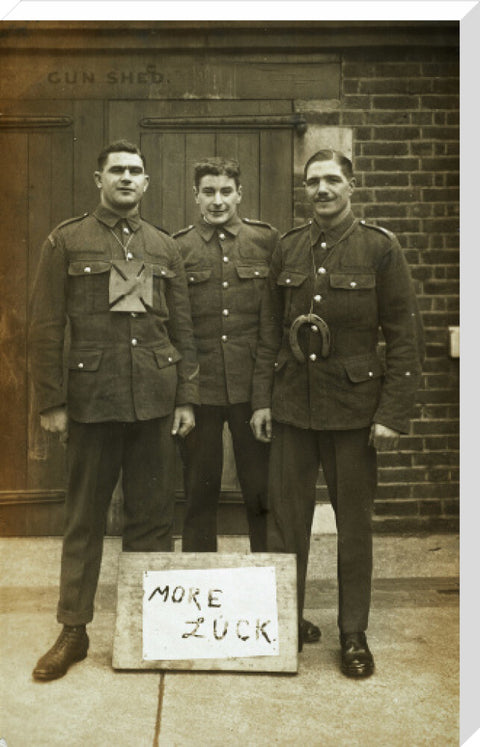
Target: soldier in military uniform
(119,283)
(226,260)
(322,395)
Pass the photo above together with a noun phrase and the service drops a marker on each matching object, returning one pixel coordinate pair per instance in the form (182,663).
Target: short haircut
(330,155)
(216,166)
(119,146)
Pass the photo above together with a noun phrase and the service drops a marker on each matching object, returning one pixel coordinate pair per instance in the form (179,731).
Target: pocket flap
(166,356)
(84,360)
(290,278)
(198,276)
(162,271)
(352,280)
(246,272)
(363,369)
(88,267)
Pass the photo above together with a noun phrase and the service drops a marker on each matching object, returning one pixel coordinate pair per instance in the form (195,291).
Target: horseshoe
(293,335)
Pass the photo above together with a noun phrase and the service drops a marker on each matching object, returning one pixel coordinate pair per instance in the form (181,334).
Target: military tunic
(226,268)
(126,371)
(326,382)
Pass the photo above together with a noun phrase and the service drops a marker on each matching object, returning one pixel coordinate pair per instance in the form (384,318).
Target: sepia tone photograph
(229,383)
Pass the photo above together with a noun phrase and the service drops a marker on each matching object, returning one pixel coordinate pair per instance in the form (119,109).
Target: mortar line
(158,722)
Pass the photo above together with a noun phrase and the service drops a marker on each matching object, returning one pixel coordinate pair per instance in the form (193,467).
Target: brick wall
(403,108)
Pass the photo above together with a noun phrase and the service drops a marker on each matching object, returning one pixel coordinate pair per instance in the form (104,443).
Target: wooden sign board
(206,611)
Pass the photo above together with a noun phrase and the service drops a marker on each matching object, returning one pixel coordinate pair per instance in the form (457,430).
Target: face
(218,198)
(329,191)
(122,181)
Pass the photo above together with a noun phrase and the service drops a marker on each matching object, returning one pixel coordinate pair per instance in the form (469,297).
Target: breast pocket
(296,301)
(251,282)
(354,296)
(161,276)
(198,288)
(88,282)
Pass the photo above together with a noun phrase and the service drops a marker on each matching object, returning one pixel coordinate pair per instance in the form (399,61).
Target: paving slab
(412,699)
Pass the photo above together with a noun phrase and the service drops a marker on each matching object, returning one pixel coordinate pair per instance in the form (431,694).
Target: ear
(147,182)
(240,193)
(352,183)
(195,194)
(97,177)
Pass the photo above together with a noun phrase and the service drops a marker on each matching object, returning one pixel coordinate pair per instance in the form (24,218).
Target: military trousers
(143,452)
(202,454)
(349,467)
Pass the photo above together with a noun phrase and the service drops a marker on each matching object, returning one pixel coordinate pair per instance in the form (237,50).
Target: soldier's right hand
(55,420)
(261,424)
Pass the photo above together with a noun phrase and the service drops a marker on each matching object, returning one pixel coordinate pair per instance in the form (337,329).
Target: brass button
(221,236)
(192,279)
(317,298)
(134,341)
(225,312)
(323,245)
(370,373)
(314,328)
(288,280)
(353,284)
(126,230)
(133,314)
(225,284)
(170,359)
(225,259)
(224,338)
(80,365)
(312,357)
(321,270)
(257,272)
(87,269)
(129,255)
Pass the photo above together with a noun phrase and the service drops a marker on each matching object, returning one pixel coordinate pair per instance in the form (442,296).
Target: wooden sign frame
(128,637)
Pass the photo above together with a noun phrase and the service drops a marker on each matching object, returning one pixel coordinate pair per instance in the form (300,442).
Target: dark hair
(217,166)
(119,146)
(330,155)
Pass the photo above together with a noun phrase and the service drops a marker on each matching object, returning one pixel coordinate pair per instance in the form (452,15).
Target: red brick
(440,133)
(396,164)
(377,148)
(441,195)
(386,211)
(440,164)
(356,102)
(439,102)
(400,102)
(386,180)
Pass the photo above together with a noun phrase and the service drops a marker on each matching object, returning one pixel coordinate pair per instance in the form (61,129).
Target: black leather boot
(70,646)
(357,660)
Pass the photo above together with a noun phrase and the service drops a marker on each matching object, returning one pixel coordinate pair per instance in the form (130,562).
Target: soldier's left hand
(183,421)
(383,438)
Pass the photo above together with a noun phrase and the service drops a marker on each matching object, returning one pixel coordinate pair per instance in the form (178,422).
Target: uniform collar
(207,230)
(110,218)
(331,235)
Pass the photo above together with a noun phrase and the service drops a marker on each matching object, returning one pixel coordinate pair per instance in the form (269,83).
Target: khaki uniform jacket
(226,268)
(122,366)
(354,277)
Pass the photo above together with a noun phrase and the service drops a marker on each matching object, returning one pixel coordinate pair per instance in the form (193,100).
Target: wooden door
(173,136)
(45,146)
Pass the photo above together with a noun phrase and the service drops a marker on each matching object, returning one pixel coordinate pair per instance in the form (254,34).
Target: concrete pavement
(412,699)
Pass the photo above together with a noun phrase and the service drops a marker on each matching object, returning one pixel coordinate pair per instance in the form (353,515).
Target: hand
(55,420)
(261,424)
(183,421)
(383,438)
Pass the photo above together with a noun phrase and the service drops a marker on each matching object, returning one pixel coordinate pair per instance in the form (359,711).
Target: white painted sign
(210,613)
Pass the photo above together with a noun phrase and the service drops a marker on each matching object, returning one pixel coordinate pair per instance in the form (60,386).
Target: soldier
(132,381)
(333,402)
(226,260)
